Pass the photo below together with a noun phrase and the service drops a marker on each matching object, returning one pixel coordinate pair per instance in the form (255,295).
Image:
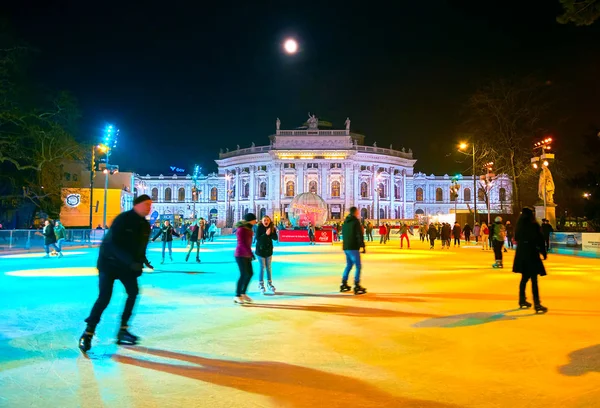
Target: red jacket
(382,230)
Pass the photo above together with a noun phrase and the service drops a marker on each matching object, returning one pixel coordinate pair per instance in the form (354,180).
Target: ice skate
(247,299)
(345,287)
(523,304)
(261,287)
(197,260)
(270,286)
(85,342)
(498,264)
(162,262)
(238,300)
(124,337)
(171,258)
(540,309)
(359,290)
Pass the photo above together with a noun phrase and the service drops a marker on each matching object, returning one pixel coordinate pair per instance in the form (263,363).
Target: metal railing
(28,239)
(358,148)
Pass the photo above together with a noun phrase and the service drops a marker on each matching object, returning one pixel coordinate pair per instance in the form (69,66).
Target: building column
(324,182)
(252,190)
(403,194)
(393,192)
(300,178)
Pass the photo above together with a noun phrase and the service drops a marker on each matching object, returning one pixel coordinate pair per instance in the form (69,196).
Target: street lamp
(195,189)
(109,142)
(463,147)
(586,195)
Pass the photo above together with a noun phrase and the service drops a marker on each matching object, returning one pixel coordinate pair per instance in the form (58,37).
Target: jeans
(106,283)
(352,259)
(245,265)
(534,288)
(498,245)
(264,263)
(168,244)
(47,248)
(191,248)
(59,243)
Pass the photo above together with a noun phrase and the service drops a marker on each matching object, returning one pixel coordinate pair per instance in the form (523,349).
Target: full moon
(290,46)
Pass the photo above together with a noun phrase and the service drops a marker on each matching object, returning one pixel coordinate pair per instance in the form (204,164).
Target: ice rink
(437,329)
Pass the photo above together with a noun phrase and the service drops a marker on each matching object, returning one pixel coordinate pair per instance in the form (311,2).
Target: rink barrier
(11,240)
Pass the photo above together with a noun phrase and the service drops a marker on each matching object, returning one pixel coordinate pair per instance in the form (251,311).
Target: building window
(419,194)
(67,176)
(396,172)
(363,168)
(214,194)
(364,213)
(168,194)
(233,192)
(289,165)
(382,213)
(467,195)
(336,166)
(312,166)
(364,189)
(289,189)
(262,190)
(246,170)
(381,189)
(246,190)
(262,168)
(335,189)
(181,195)
(155,194)
(75,178)
(312,187)
(502,193)
(439,194)
(396,191)
(481,194)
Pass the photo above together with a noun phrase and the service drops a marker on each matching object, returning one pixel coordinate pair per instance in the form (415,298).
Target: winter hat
(498,219)
(249,217)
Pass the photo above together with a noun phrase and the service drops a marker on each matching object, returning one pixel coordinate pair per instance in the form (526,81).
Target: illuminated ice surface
(437,329)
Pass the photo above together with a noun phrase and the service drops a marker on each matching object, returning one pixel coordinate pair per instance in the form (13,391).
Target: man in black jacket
(352,234)
(122,257)
(546,231)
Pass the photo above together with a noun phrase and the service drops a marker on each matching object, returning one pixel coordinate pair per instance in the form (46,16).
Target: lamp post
(109,142)
(195,189)
(543,159)
(462,147)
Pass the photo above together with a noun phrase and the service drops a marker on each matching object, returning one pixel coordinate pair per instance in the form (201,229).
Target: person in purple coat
(243,256)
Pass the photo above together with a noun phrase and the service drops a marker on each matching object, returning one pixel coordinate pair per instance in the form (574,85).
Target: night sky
(182,81)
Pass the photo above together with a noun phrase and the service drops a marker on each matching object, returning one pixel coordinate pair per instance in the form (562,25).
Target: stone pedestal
(550,214)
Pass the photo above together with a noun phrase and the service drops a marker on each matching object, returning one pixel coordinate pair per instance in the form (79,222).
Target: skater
(61,234)
(212,230)
(456,230)
(422,232)
(195,236)
(166,233)
(485,234)
(467,232)
(353,241)
(311,234)
(498,237)
(388,229)
(432,235)
(476,233)
(382,234)
(50,239)
(369,231)
(122,257)
(404,230)
(546,231)
(265,235)
(243,256)
(530,245)
(510,234)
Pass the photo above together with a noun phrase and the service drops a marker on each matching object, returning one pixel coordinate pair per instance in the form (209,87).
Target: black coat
(456,231)
(467,230)
(446,230)
(432,232)
(264,242)
(166,233)
(49,235)
(509,231)
(530,245)
(352,234)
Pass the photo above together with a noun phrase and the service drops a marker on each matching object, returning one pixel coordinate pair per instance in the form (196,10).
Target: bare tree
(579,12)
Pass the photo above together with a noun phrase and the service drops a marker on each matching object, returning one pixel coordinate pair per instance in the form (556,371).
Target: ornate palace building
(335,164)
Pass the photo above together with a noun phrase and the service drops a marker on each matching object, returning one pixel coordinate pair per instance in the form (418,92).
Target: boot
(197,260)
(124,337)
(85,341)
(261,287)
(270,286)
(345,287)
(540,309)
(524,304)
(359,290)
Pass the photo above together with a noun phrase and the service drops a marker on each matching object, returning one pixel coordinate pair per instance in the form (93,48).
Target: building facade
(335,164)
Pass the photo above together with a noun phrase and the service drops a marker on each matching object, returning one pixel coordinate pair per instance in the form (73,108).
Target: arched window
(335,189)
(155,194)
(168,194)
(481,194)
(75,178)
(289,189)
(420,212)
(247,190)
(262,213)
(181,195)
(364,213)
(364,190)
(214,193)
(67,176)
(246,211)
(396,191)
(262,190)
(439,194)
(312,187)
(419,194)
(381,213)
(381,189)
(467,195)
(502,193)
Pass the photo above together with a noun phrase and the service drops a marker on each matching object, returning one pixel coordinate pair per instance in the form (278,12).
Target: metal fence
(28,239)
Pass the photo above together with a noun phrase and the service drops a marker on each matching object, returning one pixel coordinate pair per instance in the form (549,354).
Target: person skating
(352,234)
(369,231)
(388,230)
(498,237)
(311,233)
(456,231)
(122,257)
(195,236)
(546,231)
(476,233)
(404,231)
(243,256)
(212,230)
(61,234)
(432,235)
(446,234)
(467,232)
(485,235)
(382,234)
(166,233)
(510,234)
(50,239)
(530,245)
(265,235)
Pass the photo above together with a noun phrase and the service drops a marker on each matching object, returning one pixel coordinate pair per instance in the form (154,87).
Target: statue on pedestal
(347,123)
(374,144)
(238,147)
(313,122)
(253,145)
(277,124)
(403,149)
(546,185)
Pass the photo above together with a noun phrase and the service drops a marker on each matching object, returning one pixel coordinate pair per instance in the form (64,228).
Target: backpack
(500,232)
(486,231)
